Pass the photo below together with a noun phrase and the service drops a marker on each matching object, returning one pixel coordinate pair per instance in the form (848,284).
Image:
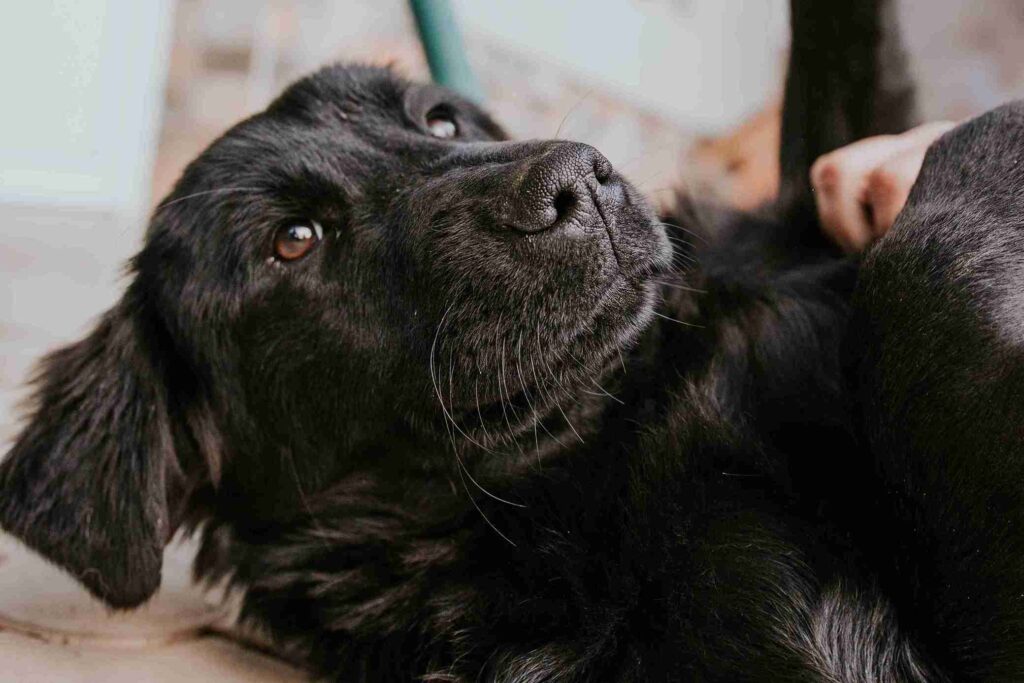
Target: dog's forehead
(346,92)
(369,104)
(328,125)
(329,138)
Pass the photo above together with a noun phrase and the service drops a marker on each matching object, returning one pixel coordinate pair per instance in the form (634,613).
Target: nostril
(558,183)
(565,202)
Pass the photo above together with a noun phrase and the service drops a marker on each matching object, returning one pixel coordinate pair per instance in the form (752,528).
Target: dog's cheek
(296,346)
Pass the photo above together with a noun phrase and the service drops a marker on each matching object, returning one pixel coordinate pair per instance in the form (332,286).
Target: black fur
(939,334)
(837,91)
(502,424)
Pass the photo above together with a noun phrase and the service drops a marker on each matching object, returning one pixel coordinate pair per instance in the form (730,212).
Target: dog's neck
(383,550)
(406,460)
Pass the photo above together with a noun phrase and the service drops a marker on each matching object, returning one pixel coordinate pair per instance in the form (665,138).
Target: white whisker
(570,111)
(455,449)
(689,232)
(163,206)
(683,287)
(478,509)
(676,321)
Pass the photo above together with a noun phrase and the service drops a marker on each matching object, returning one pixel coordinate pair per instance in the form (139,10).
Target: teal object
(442,43)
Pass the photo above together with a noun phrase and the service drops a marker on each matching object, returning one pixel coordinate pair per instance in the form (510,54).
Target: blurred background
(105,101)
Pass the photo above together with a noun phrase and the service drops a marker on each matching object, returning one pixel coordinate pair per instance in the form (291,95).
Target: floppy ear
(85,483)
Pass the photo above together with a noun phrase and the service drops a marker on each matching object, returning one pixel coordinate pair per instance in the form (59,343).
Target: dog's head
(345,275)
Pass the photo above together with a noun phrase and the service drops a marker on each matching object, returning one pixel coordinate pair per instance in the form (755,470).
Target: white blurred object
(83,90)
(704,64)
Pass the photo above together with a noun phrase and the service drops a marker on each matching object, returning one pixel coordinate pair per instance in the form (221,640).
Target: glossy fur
(502,424)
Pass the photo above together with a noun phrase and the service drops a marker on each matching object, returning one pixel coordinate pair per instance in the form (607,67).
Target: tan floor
(25,660)
(51,630)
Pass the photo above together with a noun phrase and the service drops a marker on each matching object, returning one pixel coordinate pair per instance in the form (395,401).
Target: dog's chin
(546,400)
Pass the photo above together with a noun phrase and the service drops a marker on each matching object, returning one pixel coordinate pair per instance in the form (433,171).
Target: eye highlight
(441,123)
(293,241)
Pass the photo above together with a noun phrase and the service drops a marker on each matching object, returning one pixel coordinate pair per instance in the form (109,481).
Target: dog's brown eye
(294,241)
(441,123)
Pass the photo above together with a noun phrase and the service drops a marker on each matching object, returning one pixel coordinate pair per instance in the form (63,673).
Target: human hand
(860,188)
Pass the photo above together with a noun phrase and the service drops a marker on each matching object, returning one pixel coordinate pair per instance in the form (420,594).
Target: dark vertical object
(847,79)
(442,44)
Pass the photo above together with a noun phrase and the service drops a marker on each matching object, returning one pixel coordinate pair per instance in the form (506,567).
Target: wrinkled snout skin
(555,209)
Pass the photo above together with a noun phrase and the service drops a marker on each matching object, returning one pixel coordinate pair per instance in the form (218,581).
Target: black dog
(451,408)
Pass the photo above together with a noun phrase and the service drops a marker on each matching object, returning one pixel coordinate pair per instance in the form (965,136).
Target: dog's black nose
(563,184)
